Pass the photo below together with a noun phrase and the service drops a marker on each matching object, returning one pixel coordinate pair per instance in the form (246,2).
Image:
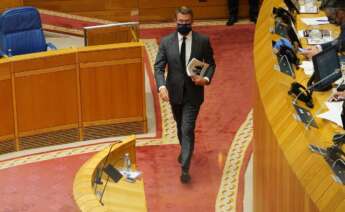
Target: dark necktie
(183,53)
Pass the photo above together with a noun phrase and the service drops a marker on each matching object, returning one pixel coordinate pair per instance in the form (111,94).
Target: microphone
(307,96)
(99,172)
(288,63)
(339,139)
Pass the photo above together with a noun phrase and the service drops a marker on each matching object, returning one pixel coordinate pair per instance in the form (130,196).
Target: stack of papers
(306,9)
(308,67)
(334,112)
(315,21)
(326,36)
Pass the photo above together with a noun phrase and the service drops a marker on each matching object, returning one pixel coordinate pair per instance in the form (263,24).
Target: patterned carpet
(230,194)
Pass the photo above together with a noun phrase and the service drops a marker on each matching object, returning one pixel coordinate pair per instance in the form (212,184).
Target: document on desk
(316,36)
(308,67)
(315,21)
(334,112)
(307,10)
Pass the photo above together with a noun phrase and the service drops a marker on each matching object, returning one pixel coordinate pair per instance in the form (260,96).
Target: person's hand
(338,96)
(310,52)
(198,80)
(163,94)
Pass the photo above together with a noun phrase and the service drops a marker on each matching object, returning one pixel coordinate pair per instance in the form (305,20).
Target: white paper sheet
(308,67)
(333,113)
(315,21)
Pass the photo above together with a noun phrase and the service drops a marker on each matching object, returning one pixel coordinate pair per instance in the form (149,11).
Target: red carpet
(47,186)
(43,186)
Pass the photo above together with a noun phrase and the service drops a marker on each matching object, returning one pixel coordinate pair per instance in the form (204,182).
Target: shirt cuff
(161,87)
(319,47)
(207,79)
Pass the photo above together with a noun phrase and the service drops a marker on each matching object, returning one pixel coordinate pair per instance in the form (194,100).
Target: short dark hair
(337,4)
(184,10)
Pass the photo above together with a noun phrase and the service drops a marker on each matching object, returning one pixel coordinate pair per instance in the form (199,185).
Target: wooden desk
(121,196)
(287,176)
(72,94)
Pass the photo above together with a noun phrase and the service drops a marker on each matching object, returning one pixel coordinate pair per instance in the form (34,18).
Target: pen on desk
(322,20)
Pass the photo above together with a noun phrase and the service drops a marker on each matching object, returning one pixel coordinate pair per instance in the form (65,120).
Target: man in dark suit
(233,11)
(336,14)
(185,94)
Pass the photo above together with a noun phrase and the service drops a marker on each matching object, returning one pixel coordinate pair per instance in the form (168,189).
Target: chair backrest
(21,31)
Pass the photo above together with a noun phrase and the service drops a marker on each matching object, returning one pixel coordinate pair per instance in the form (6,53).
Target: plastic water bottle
(126,163)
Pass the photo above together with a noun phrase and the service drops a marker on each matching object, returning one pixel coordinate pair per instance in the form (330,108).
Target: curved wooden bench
(121,196)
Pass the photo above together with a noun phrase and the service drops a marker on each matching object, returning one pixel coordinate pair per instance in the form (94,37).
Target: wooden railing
(122,196)
(111,33)
(72,94)
(132,10)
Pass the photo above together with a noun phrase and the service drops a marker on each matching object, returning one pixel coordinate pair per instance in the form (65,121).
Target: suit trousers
(185,116)
(253,7)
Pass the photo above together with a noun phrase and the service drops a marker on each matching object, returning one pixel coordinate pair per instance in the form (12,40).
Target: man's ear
(342,14)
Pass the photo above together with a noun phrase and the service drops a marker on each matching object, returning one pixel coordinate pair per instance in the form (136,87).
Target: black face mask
(184,29)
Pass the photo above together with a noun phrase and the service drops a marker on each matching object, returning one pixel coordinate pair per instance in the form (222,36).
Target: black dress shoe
(232,20)
(179,158)
(185,177)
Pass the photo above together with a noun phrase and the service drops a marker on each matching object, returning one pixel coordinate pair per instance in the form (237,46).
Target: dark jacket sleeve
(210,60)
(160,64)
(330,44)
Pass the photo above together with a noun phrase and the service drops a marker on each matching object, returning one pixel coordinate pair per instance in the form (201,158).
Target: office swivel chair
(21,32)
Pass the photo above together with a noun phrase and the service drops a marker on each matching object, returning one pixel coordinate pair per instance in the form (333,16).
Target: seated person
(336,14)
(233,6)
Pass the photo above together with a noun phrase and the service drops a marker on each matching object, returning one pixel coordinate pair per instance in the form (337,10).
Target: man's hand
(310,52)
(198,80)
(163,93)
(338,96)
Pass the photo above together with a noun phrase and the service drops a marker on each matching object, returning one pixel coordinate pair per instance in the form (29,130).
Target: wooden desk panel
(46,91)
(73,94)
(103,96)
(120,196)
(47,100)
(6,102)
(119,95)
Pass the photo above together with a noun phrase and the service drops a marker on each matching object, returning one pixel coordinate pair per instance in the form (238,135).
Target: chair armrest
(51,46)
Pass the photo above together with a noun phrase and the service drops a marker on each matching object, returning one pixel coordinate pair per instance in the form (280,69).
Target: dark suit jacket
(180,87)
(339,42)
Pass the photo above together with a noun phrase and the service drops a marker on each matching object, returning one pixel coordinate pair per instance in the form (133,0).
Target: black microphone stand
(99,173)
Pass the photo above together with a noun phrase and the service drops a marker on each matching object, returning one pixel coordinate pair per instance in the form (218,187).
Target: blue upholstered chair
(21,32)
